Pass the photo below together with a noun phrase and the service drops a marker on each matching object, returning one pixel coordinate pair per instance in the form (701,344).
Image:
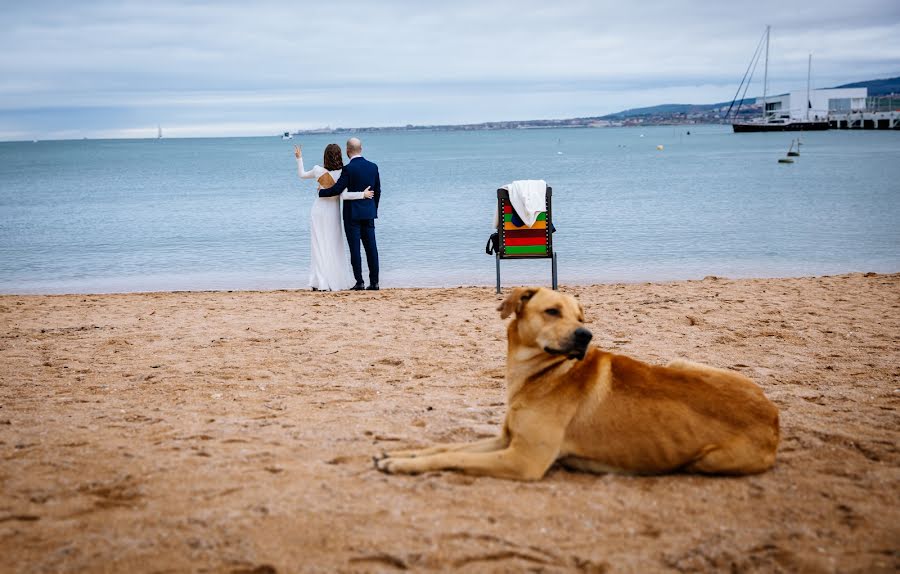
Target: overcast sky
(117,69)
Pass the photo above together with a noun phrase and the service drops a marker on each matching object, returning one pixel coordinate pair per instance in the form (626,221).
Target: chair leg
(554,271)
(497,256)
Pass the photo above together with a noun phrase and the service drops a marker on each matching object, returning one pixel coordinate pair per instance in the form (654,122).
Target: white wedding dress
(329,267)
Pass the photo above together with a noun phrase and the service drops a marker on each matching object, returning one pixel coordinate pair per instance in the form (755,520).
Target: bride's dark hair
(333,160)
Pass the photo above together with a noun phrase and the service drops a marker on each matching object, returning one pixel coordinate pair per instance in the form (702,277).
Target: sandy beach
(233,432)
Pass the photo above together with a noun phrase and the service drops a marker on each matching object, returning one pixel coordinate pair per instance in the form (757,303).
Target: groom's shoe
(358,287)
(373,287)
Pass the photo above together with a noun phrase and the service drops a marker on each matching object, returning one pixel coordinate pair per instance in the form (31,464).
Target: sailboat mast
(766,74)
(808,73)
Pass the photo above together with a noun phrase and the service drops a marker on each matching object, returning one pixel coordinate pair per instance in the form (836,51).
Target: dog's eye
(552,312)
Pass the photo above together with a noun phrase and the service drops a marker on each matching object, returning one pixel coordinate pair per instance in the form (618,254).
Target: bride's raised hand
(368,193)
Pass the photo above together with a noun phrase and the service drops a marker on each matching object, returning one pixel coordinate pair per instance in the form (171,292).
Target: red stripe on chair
(526,240)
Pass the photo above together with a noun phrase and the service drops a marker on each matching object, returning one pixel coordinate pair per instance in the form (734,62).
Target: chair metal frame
(502,200)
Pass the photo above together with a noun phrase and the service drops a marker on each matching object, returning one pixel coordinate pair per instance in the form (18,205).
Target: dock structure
(865,121)
(880,113)
(842,108)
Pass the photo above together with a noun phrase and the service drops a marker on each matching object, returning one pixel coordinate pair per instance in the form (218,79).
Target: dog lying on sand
(601,412)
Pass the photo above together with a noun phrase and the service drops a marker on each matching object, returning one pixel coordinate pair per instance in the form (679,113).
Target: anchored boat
(773,120)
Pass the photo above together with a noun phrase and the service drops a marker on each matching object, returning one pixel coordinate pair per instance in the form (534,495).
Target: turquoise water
(142,215)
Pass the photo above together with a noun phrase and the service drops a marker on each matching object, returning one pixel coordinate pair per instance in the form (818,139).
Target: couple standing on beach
(358,186)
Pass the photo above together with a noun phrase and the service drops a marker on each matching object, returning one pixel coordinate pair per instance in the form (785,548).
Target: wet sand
(233,432)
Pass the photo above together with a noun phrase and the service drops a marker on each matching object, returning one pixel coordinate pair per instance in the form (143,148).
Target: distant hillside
(878,87)
(669,109)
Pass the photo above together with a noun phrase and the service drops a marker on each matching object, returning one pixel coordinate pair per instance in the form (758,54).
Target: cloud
(376,63)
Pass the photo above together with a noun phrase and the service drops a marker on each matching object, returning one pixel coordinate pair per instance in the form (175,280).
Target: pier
(865,120)
(880,113)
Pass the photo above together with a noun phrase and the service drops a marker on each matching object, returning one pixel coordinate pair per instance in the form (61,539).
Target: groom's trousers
(362,230)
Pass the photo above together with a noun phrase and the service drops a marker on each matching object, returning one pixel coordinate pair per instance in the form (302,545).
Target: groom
(359,215)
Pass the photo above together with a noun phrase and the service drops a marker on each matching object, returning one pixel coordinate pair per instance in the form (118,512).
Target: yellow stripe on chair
(537,225)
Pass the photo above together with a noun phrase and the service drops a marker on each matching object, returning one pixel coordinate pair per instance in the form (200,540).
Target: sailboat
(791,152)
(770,120)
(158,132)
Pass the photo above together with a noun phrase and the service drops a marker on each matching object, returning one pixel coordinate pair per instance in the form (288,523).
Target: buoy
(659,147)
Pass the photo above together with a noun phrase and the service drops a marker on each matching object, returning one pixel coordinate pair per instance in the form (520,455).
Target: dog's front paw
(390,465)
(382,463)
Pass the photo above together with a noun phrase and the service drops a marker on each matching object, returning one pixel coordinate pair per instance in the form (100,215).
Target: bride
(329,269)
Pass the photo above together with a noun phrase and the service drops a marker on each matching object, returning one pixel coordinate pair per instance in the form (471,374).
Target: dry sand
(232,432)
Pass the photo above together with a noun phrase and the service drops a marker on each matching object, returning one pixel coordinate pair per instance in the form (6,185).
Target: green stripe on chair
(525,249)
(542,216)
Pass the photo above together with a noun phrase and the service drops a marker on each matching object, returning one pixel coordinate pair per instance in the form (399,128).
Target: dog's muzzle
(577,347)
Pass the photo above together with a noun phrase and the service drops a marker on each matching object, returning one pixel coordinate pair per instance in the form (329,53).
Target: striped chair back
(516,241)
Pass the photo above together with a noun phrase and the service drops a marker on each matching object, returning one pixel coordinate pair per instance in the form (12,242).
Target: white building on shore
(821,103)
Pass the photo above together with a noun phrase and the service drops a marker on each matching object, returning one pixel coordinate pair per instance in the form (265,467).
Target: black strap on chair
(493,244)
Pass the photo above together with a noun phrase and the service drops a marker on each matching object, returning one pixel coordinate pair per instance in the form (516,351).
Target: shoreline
(505,287)
(234,431)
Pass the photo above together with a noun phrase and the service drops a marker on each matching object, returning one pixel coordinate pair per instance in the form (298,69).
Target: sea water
(231,213)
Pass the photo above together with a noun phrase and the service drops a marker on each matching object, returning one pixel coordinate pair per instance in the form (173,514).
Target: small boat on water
(773,120)
(791,152)
(287,136)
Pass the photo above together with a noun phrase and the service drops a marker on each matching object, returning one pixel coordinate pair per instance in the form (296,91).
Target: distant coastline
(716,116)
(661,115)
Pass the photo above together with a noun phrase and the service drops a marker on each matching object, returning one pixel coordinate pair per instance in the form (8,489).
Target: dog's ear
(515,301)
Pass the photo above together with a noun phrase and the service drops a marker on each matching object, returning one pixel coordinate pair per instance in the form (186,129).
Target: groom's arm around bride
(360,215)
(357,175)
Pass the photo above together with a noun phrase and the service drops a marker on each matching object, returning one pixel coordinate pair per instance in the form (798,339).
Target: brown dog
(597,411)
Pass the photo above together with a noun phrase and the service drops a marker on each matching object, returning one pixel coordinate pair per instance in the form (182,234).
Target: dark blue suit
(360,214)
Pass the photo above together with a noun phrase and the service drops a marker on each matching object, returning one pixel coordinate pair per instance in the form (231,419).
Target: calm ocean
(177,214)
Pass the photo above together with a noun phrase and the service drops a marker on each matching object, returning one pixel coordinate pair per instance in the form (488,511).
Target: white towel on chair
(529,198)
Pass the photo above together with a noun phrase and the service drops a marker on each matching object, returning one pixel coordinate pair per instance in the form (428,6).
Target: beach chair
(521,242)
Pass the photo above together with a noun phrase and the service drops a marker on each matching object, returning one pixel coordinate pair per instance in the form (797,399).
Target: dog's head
(547,320)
